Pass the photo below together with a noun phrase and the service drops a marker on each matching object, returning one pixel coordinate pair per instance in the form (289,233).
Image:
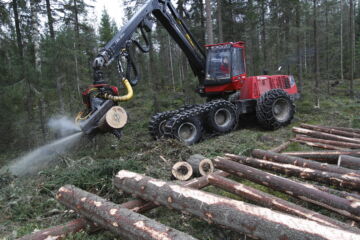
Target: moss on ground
(28,203)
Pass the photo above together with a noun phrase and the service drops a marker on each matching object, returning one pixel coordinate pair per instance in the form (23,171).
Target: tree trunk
(300,162)
(209,27)
(354,130)
(329,142)
(352,46)
(346,181)
(182,171)
(171,65)
(219,21)
(275,203)
(50,19)
(330,130)
(281,147)
(257,222)
(318,145)
(117,219)
(18,31)
(317,63)
(349,162)
(341,42)
(298,46)
(326,136)
(201,165)
(327,156)
(263,33)
(301,191)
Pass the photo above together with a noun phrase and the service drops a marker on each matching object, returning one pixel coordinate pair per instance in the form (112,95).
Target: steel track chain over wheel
(275,109)
(157,122)
(222,117)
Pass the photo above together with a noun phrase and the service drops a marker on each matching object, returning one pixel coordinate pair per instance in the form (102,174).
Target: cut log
(201,165)
(115,118)
(182,171)
(79,224)
(330,142)
(340,180)
(319,145)
(281,147)
(252,220)
(270,201)
(111,216)
(324,156)
(330,130)
(354,130)
(301,191)
(322,135)
(349,162)
(301,162)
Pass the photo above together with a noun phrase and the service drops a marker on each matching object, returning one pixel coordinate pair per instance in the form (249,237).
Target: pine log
(330,142)
(301,191)
(318,145)
(354,130)
(182,171)
(201,165)
(119,220)
(301,162)
(322,135)
(324,156)
(257,222)
(77,225)
(340,180)
(349,162)
(330,130)
(281,147)
(273,202)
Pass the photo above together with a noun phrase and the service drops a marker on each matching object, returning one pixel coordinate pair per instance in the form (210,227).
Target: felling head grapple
(102,113)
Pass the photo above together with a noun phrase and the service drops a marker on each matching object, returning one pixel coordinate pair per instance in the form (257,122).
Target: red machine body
(236,80)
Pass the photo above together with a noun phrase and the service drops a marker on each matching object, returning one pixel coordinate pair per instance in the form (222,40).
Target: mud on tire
(275,109)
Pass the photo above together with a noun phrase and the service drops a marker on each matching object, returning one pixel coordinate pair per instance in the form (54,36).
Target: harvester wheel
(222,118)
(157,123)
(188,130)
(275,109)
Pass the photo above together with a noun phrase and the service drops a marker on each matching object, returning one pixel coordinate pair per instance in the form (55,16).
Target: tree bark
(17,30)
(349,162)
(352,46)
(324,156)
(301,191)
(339,180)
(298,46)
(275,203)
(139,206)
(343,145)
(322,135)
(355,130)
(257,222)
(209,27)
(330,130)
(316,58)
(300,162)
(117,219)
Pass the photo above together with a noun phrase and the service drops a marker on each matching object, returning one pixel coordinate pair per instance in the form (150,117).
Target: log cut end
(182,171)
(206,167)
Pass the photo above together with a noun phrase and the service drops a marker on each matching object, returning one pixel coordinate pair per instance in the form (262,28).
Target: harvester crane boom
(167,15)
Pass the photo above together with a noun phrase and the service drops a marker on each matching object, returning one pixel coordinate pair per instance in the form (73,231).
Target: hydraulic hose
(128,96)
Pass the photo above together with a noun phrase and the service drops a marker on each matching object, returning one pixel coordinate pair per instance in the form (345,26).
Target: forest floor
(28,203)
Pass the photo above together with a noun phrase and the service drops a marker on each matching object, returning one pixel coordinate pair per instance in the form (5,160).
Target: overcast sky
(113,7)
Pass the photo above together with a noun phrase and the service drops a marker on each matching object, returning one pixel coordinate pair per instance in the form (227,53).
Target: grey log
(349,162)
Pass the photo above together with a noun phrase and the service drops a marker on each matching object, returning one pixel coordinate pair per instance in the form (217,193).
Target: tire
(157,124)
(188,130)
(222,118)
(275,109)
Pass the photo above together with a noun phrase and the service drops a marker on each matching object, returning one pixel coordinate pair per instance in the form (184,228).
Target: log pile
(317,179)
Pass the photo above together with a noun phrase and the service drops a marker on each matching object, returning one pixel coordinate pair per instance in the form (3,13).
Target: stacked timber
(197,165)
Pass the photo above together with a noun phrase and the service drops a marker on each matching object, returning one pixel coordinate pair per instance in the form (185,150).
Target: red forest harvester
(222,78)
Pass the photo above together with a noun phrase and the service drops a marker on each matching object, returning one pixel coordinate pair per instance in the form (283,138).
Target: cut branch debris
(334,203)
(252,220)
(111,216)
(272,202)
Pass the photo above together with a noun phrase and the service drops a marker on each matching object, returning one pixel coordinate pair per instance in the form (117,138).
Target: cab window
(238,65)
